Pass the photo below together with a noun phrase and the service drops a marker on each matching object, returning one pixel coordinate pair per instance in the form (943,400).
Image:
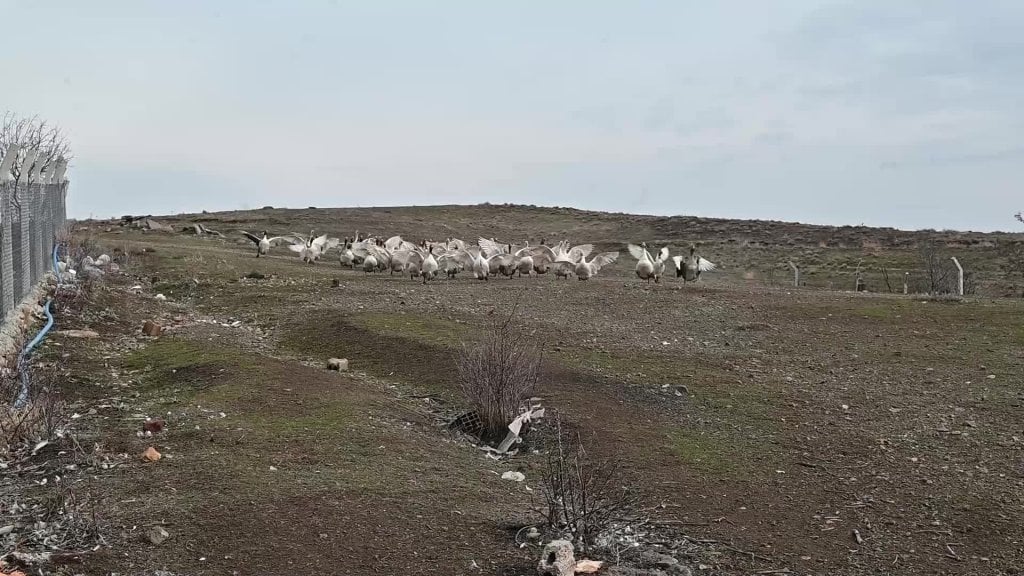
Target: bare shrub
(497,374)
(584,497)
(939,272)
(43,416)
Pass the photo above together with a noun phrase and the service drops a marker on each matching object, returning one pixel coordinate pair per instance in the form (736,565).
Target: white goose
(689,268)
(264,244)
(422,261)
(470,258)
(648,268)
(311,248)
(374,256)
(586,270)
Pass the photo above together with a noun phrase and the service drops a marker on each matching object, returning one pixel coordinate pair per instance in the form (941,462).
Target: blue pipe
(22,398)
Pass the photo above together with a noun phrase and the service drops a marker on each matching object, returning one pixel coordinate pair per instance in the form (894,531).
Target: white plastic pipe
(960,275)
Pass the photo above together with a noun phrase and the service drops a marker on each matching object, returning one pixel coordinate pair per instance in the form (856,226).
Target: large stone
(557,559)
(339,364)
(152,329)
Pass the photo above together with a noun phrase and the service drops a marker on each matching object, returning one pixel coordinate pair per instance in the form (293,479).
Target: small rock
(152,329)
(255,276)
(154,426)
(157,535)
(335,282)
(160,298)
(513,476)
(533,534)
(991,376)
(151,455)
(557,559)
(339,364)
(659,560)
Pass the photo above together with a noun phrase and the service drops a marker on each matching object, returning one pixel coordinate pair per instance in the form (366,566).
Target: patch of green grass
(1018,336)
(706,452)
(877,312)
(172,362)
(428,329)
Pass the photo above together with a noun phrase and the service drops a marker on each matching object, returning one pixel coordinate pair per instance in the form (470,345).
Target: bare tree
(1019,216)
(937,267)
(33,133)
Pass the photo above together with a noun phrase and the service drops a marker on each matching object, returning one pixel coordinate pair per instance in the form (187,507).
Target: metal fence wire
(31,216)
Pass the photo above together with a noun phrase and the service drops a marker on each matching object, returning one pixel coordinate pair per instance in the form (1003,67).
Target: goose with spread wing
(647,267)
(311,248)
(265,243)
(422,261)
(587,270)
(689,268)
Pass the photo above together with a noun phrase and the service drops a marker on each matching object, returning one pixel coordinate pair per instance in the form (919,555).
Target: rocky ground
(765,429)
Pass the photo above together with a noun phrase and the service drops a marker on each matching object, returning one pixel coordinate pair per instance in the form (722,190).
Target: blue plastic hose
(22,398)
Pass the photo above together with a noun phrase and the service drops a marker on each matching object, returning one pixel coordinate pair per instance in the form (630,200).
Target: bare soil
(767,426)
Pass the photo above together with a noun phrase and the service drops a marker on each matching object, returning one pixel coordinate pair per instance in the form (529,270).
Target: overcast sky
(905,114)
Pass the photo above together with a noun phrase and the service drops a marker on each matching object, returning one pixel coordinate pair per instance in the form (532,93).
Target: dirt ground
(770,428)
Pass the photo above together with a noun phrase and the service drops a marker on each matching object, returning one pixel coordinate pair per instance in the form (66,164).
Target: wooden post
(796,274)
(906,282)
(960,275)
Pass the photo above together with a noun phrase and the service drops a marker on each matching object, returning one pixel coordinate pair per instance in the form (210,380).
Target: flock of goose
(427,260)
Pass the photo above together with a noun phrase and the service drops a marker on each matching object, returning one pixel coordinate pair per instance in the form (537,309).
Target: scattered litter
(516,426)
(273,469)
(514,476)
(40,446)
(78,333)
(151,455)
(6,530)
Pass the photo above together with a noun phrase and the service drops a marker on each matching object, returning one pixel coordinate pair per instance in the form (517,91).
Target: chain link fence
(32,214)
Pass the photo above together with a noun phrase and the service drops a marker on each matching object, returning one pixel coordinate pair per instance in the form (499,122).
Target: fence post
(960,275)
(7,300)
(906,282)
(796,274)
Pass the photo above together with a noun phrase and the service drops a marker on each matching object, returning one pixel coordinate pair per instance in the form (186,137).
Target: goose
(500,257)
(348,258)
(470,258)
(373,255)
(689,268)
(564,251)
(648,268)
(311,248)
(264,244)
(586,270)
(422,261)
